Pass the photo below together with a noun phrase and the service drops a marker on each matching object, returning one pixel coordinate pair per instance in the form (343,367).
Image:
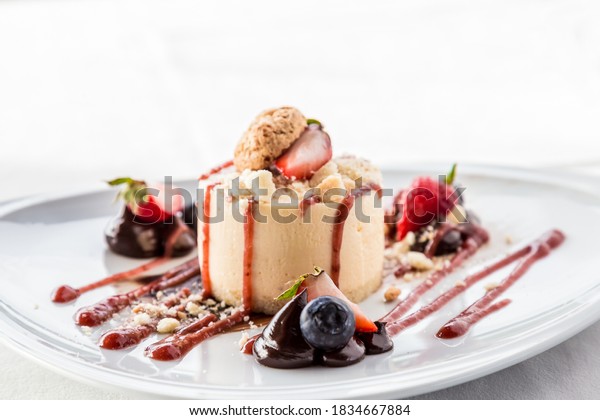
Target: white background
(91,90)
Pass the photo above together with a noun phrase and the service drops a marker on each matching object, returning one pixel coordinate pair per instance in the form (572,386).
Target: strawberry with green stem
(149,203)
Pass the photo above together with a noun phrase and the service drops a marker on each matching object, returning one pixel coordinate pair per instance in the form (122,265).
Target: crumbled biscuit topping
(271,133)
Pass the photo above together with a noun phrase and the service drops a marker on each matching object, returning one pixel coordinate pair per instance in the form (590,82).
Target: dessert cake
(308,209)
(286,229)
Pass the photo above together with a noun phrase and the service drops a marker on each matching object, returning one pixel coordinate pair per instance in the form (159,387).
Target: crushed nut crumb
(167,325)
(419,261)
(391,294)
(243,339)
(142,319)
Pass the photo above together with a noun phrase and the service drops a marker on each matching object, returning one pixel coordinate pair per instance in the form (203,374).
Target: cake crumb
(142,319)
(391,294)
(167,325)
(508,239)
(408,277)
(460,283)
(428,282)
(419,261)
(193,308)
(243,339)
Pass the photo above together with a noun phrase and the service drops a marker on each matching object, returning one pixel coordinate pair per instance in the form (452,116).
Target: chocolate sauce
(126,236)
(377,342)
(352,353)
(281,344)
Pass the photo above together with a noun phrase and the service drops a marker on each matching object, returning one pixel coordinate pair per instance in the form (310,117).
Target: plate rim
(571,323)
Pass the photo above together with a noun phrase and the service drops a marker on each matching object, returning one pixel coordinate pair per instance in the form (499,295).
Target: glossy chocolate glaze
(281,344)
(352,353)
(125,236)
(377,342)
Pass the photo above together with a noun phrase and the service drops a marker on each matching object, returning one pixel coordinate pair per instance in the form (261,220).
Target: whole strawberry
(149,203)
(425,201)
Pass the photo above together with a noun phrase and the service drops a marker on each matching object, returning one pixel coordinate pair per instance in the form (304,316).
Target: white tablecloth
(91,90)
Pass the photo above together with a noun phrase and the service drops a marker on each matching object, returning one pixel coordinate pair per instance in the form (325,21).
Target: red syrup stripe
(338,227)
(248,255)
(179,344)
(128,336)
(66,293)
(537,250)
(94,315)
(206,283)
(395,326)
(470,247)
(215,170)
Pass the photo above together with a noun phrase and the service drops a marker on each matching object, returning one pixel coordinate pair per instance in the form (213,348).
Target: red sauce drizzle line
(539,249)
(338,227)
(122,338)
(395,326)
(215,170)
(179,344)
(66,293)
(206,283)
(248,345)
(248,252)
(469,248)
(94,315)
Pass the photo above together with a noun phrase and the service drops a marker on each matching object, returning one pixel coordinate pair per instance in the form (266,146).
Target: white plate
(50,241)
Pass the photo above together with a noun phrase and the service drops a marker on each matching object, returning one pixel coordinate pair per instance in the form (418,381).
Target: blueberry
(449,243)
(327,323)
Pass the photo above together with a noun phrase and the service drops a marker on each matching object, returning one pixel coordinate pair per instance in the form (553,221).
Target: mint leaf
(120,181)
(313,121)
(451,175)
(291,292)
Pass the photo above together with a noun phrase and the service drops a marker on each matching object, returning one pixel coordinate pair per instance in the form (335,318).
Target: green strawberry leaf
(451,175)
(313,121)
(133,193)
(291,292)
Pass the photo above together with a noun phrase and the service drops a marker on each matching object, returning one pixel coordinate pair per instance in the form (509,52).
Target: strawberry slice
(422,203)
(320,284)
(306,155)
(149,203)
